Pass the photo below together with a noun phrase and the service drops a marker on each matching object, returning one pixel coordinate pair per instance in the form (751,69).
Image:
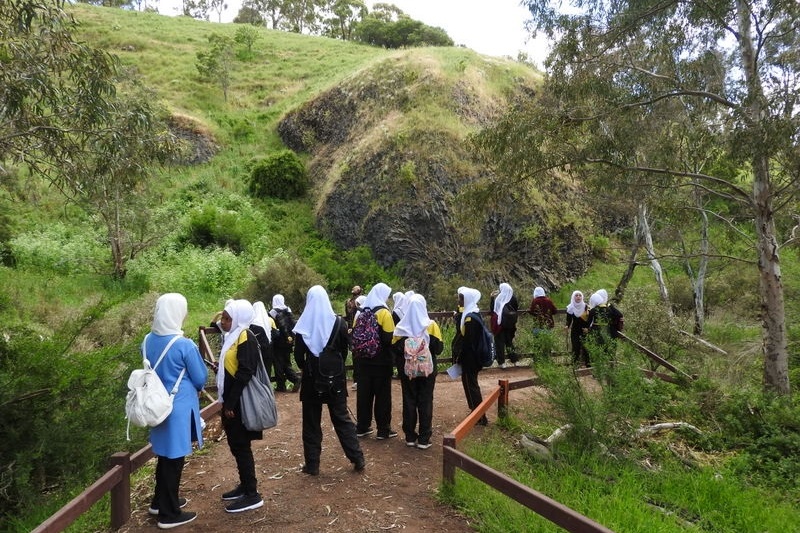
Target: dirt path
(396,491)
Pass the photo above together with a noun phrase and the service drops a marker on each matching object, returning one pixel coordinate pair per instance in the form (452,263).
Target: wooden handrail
(542,505)
(537,502)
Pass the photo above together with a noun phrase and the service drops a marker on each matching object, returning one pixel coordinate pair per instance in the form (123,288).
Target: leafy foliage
(43,386)
(284,275)
(215,63)
(280,175)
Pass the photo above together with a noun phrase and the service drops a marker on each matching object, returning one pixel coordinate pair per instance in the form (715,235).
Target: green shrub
(284,275)
(191,271)
(209,226)
(60,248)
(767,429)
(280,175)
(61,419)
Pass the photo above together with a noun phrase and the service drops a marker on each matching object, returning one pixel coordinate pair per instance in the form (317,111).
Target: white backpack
(148,403)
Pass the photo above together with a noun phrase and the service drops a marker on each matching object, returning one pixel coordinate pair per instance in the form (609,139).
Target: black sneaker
(153,510)
(368,431)
(359,465)
(234,494)
(245,503)
(392,434)
(183,518)
(424,445)
(309,470)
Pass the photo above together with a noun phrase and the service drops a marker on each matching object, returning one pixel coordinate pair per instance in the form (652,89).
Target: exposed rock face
(391,177)
(198,144)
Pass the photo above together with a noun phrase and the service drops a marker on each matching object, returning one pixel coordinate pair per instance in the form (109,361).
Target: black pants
(374,395)
(418,405)
(283,368)
(504,344)
(342,424)
(239,442)
(168,480)
(472,390)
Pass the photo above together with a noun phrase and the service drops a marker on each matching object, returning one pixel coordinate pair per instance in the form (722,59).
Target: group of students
(249,337)
(596,324)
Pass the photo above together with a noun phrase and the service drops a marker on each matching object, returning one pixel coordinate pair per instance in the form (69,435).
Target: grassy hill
(384,135)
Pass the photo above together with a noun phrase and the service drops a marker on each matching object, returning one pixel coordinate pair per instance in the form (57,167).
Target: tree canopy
(69,114)
(671,95)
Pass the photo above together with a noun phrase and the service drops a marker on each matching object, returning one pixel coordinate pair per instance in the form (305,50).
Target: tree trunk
(699,283)
(773,315)
(647,238)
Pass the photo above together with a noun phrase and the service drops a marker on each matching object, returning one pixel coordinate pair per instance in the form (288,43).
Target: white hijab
(603,294)
(471,299)
(397,303)
(359,305)
(241,313)
(595,300)
(278,303)
(377,296)
(538,292)
(574,308)
(316,321)
(416,320)
(171,310)
(506,292)
(261,318)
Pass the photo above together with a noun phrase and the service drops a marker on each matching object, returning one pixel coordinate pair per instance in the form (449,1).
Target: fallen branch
(704,342)
(655,428)
(558,434)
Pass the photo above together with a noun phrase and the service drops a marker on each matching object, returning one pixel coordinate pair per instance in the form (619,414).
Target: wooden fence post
(121,492)
(448,468)
(502,401)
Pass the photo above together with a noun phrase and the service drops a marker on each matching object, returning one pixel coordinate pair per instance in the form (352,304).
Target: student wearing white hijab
(504,324)
(542,309)
(317,328)
(578,326)
(374,393)
(172,439)
(283,345)
(471,324)
(418,392)
(238,361)
(605,323)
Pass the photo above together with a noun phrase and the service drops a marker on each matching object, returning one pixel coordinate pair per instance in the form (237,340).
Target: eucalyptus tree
(621,75)
(70,115)
(344,16)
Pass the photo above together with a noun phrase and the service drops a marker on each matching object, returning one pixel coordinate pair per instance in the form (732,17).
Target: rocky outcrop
(393,171)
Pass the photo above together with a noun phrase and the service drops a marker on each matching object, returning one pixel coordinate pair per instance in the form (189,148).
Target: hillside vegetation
(395,194)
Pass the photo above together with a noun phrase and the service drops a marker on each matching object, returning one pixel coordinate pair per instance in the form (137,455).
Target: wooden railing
(116,480)
(542,505)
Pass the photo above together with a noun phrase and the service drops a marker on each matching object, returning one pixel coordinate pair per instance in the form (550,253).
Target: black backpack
(329,378)
(486,349)
(285,324)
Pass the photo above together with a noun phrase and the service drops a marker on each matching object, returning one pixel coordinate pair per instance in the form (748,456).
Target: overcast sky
(491,27)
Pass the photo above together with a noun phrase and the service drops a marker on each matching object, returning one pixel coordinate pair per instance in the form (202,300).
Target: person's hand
(227,413)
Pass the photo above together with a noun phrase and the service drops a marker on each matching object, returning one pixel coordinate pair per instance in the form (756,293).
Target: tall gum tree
(729,68)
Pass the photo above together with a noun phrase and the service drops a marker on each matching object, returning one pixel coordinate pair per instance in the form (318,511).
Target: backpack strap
(160,357)
(336,326)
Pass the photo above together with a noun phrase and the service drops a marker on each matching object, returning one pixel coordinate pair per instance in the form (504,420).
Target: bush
(283,275)
(209,226)
(281,175)
(190,271)
(62,414)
